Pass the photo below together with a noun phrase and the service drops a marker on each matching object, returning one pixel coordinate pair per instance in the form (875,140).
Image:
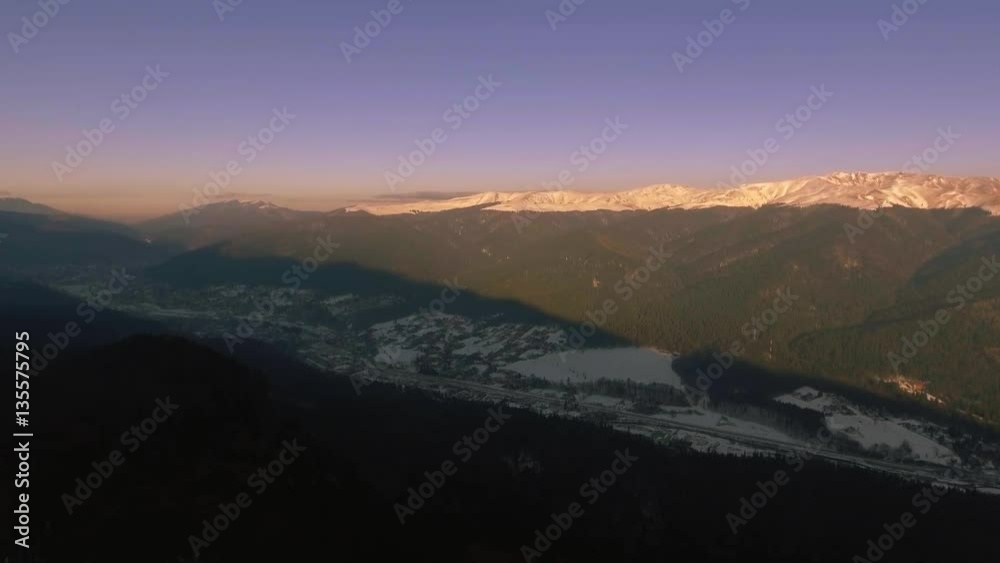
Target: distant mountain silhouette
(20,205)
(216,222)
(60,240)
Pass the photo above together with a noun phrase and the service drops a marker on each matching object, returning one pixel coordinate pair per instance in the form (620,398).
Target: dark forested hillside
(35,241)
(362,452)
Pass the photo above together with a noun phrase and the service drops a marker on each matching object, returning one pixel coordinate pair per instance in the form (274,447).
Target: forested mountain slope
(861,283)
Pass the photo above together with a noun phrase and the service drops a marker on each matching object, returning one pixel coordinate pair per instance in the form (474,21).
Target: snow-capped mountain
(852,189)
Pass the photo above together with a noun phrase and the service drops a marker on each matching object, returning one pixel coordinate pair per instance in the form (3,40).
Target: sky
(558,72)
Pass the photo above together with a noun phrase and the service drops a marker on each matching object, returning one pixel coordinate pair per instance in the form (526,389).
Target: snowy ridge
(851,189)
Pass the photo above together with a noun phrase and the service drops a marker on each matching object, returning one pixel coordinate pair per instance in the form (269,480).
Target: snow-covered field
(714,445)
(697,442)
(642,365)
(338,304)
(810,399)
(605,401)
(397,357)
(870,429)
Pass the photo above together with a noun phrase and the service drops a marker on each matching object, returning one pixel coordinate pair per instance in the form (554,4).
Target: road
(921,472)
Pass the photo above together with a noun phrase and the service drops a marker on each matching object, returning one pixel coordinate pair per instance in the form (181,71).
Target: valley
(727,330)
(636,390)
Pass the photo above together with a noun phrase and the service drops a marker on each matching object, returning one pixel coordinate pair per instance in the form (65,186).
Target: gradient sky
(611,58)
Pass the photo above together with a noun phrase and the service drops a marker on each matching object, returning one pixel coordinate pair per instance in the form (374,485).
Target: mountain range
(851,189)
(863,290)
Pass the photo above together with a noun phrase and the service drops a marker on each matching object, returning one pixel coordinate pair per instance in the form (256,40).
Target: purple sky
(608,59)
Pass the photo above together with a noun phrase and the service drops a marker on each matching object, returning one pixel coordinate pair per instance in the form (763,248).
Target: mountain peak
(241,205)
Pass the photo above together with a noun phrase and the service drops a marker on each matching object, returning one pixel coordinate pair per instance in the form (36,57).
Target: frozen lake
(642,365)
